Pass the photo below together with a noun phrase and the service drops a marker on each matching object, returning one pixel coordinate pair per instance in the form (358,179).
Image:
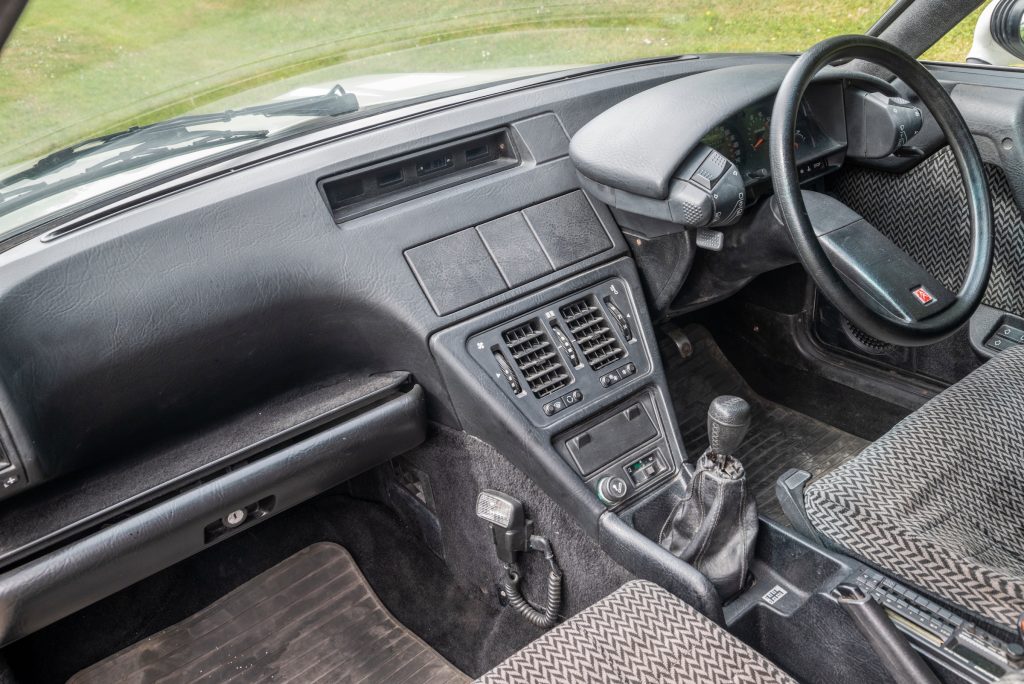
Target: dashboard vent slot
(536,358)
(589,328)
(385,184)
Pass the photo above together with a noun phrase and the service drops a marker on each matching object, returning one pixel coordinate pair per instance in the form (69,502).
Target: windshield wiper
(169,143)
(152,150)
(157,145)
(332,103)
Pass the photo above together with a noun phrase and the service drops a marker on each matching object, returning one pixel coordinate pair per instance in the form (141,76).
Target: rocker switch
(712,168)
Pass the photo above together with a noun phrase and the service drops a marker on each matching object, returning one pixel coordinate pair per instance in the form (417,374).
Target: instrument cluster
(743,139)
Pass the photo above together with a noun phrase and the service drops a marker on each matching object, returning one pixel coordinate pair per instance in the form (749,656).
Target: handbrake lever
(900,659)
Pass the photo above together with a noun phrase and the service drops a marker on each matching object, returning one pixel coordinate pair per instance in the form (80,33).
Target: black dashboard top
(637,145)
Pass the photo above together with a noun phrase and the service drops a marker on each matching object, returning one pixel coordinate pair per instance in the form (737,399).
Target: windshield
(78,71)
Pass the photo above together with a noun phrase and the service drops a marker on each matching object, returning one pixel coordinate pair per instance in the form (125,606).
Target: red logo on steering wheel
(923,295)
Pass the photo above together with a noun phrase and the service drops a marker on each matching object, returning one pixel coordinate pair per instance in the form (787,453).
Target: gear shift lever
(728,422)
(714,526)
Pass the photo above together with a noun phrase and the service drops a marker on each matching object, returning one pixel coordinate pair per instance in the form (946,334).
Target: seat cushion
(640,633)
(939,500)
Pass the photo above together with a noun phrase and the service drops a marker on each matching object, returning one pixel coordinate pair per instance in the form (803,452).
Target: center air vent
(536,357)
(591,332)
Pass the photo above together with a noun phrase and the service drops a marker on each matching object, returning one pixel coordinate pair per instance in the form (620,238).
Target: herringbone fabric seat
(640,633)
(939,500)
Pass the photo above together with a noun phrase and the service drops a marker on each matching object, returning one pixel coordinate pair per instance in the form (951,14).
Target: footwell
(312,617)
(779,438)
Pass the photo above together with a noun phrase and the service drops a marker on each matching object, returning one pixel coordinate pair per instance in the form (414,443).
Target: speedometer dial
(757,123)
(725,141)
(804,140)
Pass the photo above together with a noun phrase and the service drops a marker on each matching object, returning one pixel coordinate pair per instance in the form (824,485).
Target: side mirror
(998,37)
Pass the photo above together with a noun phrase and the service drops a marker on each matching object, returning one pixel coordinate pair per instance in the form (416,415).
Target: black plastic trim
(407,180)
(647,560)
(889,16)
(139,503)
(9,13)
(74,576)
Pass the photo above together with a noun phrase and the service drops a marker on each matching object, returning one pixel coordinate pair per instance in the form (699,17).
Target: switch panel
(627,445)
(647,467)
(1009,333)
(563,402)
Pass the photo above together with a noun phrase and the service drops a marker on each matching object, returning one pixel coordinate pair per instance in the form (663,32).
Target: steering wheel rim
(786,183)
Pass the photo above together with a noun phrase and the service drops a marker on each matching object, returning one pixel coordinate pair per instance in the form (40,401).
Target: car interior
(703,368)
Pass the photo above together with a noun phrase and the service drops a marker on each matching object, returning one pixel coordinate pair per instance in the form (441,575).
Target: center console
(568,384)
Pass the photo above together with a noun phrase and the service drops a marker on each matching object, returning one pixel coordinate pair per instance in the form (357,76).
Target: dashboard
(743,140)
(434,241)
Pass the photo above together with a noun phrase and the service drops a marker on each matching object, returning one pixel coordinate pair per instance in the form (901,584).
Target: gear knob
(728,422)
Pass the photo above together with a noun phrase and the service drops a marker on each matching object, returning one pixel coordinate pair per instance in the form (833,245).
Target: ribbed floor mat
(779,438)
(311,618)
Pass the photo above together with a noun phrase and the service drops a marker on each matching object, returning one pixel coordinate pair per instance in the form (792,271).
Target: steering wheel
(874,283)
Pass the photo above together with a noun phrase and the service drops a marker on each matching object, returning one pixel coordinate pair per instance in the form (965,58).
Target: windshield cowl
(68,191)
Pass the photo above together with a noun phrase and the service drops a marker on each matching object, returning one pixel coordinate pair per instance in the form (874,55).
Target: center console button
(610,379)
(612,490)
(573,397)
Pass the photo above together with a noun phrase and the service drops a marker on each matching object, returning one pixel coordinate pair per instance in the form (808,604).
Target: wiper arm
(171,143)
(160,148)
(63,156)
(333,103)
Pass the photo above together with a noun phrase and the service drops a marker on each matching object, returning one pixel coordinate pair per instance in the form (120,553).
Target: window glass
(74,70)
(956,45)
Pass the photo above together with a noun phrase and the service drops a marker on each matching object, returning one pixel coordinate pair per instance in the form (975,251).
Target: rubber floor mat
(311,618)
(779,438)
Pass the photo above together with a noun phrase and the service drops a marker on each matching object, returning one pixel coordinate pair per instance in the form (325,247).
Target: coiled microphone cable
(547,617)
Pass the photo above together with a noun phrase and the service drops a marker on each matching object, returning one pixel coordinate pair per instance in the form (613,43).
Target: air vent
(591,332)
(391,182)
(536,358)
